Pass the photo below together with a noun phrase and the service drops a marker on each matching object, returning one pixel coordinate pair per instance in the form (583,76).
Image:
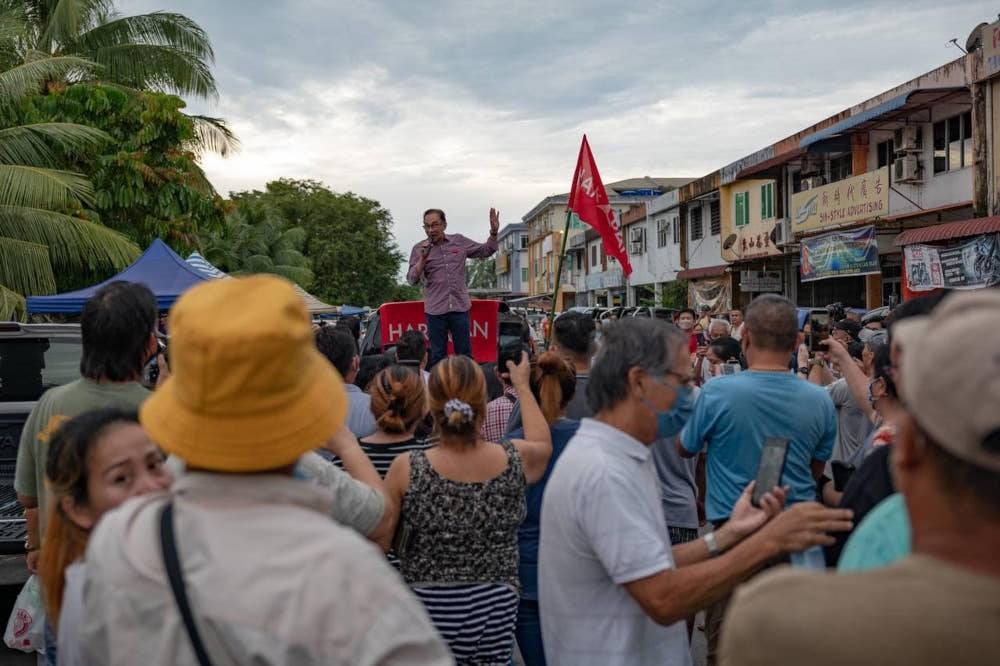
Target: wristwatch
(805,370)
(713,547)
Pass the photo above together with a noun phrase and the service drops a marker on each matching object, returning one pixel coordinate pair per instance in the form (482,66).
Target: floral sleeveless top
(462,532)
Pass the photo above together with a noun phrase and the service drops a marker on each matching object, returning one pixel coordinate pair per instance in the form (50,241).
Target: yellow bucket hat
(248,390)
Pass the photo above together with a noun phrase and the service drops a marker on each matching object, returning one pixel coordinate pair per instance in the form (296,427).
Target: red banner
(398,318)
(589,200)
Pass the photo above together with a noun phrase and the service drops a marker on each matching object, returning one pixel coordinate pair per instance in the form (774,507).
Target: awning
(950,230)
(892,109)
(707,272)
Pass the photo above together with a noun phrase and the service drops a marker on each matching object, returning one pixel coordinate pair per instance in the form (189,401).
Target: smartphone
(731,367)
(813,340)
(771,467)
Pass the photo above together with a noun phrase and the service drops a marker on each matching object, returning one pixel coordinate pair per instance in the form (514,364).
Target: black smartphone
(771,467)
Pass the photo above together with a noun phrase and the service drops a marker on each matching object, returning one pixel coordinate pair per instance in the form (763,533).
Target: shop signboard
(759,281)
(840,254)
(970,265)
(854,199)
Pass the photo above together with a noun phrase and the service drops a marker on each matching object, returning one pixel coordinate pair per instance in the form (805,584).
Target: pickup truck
(33,359)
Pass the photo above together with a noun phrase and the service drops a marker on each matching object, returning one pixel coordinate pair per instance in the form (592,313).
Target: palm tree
(161,51)
(42,216)
(257,240)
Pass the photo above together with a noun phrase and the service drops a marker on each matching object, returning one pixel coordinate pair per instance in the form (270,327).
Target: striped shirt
(382,455)
(475,620)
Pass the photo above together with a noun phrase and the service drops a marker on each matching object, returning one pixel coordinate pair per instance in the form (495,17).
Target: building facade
(512,260)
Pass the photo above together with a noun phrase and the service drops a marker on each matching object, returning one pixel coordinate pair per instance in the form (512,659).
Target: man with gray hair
(611,588)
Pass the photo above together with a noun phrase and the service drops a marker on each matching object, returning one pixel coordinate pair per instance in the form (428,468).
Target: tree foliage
(148,185)
(481,273)
(44,226)
(346,238)
(256,239)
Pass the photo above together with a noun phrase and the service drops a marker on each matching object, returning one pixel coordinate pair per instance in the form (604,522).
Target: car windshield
(30,366)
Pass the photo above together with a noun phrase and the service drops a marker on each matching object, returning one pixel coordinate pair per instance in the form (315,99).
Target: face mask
(670,423)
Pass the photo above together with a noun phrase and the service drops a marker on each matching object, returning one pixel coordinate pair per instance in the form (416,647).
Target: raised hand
(494,221)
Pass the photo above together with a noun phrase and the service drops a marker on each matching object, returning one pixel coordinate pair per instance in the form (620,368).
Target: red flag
(589,200)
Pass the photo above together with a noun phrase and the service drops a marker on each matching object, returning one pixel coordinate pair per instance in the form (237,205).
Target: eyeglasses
(433,225)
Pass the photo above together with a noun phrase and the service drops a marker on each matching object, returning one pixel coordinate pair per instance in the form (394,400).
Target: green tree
(481,273)
(44,224)
(675,295)
(159,51)
(147,180)
(347,239)
(256,239)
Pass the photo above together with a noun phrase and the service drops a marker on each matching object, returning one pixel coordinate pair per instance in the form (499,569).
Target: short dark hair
(115,326)
(574,332)
(650,344)
(855,349)
(915,307)
(852,328)
(726,348)
(371,365)
(338,346)
(352,325)
(882,366)
(964,480)
(688,311)
(438,211)
(411,346)
(773,323)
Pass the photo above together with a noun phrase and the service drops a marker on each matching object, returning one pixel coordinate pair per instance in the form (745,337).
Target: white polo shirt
(602,527)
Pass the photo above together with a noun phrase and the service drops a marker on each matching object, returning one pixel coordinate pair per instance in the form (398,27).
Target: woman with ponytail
(460,506)
(399,404)
(96,462)
(553,385)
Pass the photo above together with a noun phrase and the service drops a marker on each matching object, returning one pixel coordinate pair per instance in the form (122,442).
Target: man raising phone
(438,263)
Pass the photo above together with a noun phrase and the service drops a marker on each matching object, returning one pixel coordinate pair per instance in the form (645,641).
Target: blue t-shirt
(736,413)
(882,538)
(527,535)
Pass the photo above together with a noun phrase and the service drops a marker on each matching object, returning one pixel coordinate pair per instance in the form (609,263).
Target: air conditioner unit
(782,232)
(812,183)
(907,139)
(907,169)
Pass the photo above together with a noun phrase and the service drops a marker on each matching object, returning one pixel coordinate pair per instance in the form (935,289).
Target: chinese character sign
(856,199)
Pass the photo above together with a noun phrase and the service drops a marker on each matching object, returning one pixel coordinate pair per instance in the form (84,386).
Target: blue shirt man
(736,413)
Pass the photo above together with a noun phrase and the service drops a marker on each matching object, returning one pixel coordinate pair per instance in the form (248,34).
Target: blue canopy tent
(159,268)
(209,270)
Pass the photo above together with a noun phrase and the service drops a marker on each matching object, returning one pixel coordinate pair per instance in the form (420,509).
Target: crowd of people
(277,499)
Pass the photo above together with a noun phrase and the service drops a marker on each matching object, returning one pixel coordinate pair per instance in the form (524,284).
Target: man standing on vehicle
(117,328)
(439,264)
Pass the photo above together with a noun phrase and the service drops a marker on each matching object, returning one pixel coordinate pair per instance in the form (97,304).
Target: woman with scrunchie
(461,503)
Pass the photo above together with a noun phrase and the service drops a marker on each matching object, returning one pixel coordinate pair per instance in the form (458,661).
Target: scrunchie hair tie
(455,405)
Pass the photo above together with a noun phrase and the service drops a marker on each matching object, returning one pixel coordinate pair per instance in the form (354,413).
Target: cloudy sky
(464,104)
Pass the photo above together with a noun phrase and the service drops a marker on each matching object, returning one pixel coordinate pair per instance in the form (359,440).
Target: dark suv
(33,359)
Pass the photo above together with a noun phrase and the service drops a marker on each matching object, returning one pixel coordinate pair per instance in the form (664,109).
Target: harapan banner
(856,199)
(971,265)
(840,254)
(398,318)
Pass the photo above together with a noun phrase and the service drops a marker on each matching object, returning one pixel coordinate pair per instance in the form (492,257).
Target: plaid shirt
(497,413)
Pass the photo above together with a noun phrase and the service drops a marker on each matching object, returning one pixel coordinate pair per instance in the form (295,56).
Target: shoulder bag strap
(176,577)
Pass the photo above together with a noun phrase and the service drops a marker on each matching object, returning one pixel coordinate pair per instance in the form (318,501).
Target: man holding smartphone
(438,263)
(735,415)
